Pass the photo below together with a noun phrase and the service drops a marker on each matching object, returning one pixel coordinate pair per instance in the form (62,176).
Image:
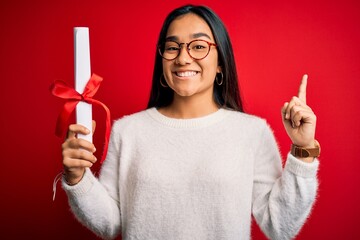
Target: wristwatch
(306,152)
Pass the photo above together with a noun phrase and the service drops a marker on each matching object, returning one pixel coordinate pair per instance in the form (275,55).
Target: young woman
(193,165)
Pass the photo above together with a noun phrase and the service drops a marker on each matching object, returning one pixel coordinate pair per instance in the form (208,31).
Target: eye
(171,48)
(199,47)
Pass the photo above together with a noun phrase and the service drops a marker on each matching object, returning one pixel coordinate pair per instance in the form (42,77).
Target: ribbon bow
(62,90)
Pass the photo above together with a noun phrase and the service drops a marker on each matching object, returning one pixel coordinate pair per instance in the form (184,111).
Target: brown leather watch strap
(306,152)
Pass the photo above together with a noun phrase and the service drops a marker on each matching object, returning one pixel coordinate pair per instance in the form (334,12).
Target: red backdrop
(275,43)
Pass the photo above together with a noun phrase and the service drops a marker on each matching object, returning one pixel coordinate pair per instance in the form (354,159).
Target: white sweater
(194,179)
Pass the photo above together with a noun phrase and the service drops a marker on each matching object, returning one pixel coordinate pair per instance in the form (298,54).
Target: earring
(221,81)
(163,85)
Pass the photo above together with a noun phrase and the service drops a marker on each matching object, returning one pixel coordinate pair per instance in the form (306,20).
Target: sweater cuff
(81,187)
(300,168)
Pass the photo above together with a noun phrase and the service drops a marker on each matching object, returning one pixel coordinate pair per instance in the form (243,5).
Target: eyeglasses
(197,49)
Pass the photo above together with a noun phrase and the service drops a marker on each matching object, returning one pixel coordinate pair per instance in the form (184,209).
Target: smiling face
(186,76)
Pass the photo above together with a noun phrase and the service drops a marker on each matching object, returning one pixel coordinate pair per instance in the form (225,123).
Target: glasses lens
(198,49)
(169,50)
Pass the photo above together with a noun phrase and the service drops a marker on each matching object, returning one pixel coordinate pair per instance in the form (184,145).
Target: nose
(184,57)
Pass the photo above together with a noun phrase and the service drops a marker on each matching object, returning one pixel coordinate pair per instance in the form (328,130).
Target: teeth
(186,74)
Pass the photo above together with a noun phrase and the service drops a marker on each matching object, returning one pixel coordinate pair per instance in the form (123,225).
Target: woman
(193,165)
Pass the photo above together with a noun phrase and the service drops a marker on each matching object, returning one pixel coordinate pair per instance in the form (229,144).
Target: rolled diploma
(82,76)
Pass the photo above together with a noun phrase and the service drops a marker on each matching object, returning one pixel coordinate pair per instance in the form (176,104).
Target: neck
(190,107)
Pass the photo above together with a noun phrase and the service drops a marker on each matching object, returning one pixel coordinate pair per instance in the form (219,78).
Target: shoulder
(126,119)
(248,125)
(246,120)
(131,121)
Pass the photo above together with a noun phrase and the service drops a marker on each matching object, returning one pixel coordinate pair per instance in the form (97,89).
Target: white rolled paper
(82,76)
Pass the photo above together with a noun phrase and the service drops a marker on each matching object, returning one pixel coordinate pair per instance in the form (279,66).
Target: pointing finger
(302,88)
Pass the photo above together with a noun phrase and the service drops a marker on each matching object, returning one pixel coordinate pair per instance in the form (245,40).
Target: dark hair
(226,95)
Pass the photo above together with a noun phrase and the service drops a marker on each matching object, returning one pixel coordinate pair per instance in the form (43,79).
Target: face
(186,76)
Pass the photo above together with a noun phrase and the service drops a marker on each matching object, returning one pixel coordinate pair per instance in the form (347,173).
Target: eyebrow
(195,35)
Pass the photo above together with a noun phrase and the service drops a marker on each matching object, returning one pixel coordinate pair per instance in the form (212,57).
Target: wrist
(71,178)
(307,160)
(310,144)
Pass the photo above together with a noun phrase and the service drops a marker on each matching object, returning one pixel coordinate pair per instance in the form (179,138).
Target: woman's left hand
(299,119)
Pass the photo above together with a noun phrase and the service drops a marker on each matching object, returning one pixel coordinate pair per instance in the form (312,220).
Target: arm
(282,200)
(95,203)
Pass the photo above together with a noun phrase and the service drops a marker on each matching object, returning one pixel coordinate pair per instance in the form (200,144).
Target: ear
(218,69)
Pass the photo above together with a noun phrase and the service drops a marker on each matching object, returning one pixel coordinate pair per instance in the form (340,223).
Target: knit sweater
(192,179)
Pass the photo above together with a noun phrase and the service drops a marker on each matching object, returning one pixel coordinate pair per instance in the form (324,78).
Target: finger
(299,107)
(286,119)
(283,110)
(300,115)
(76,129)
(70,134)
(294,101)
(79,143)
(79,154)
(71,163)
(302,88)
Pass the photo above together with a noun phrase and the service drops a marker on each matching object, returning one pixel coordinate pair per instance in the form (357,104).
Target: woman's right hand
(77,154)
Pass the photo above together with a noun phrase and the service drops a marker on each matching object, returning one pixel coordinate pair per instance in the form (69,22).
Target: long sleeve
(282,199)
(95,203)
(196,178)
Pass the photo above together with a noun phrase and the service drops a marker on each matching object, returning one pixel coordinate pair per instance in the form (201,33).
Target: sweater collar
(199,122)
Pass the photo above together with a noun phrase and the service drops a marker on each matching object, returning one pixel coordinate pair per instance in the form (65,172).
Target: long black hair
(227,94)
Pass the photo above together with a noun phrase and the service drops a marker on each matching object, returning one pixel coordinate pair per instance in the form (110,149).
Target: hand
(299,120)
(77,154)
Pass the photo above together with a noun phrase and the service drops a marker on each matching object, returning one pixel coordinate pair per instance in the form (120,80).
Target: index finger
(75,129)
(302,88)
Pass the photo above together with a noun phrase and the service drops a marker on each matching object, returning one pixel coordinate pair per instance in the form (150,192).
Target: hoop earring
(163,85)
(217,80)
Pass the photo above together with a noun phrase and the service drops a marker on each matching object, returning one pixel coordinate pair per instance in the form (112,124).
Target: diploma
(82,76)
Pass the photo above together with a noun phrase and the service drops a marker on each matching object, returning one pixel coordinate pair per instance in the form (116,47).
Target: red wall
(275,43)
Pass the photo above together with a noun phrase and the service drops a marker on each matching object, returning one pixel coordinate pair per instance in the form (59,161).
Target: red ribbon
(62,90)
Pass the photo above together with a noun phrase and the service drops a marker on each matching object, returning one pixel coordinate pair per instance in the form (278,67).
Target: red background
(275,43)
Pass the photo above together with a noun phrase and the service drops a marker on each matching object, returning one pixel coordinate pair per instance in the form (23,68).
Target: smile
(186,73)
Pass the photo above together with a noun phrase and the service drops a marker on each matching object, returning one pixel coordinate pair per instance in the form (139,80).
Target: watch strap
(306,152)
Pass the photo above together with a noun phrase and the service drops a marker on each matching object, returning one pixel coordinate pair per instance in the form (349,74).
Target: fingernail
(292,124)
(287,116)
(87,131)
(94,149)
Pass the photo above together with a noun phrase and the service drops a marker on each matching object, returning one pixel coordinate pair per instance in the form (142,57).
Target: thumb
(283,111)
